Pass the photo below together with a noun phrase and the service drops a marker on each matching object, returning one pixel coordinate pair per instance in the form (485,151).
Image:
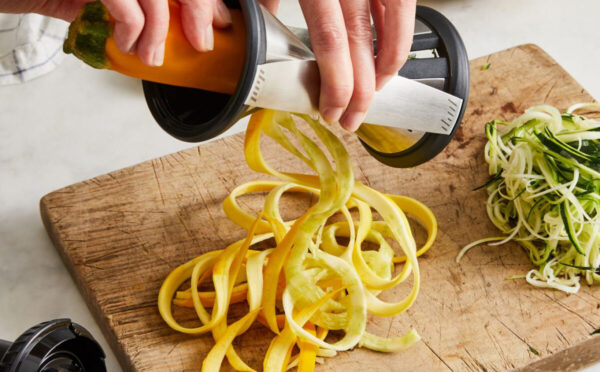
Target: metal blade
(287,86)
(408,104)
(437,83)
(403,103)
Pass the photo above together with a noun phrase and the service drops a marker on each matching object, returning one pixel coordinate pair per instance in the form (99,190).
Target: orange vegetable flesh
(218,70)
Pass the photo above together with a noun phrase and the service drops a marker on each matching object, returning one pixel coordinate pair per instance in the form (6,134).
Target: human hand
(341,37)
(140,25)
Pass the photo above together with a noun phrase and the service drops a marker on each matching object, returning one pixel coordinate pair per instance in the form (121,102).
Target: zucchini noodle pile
(321,285)
(544,192)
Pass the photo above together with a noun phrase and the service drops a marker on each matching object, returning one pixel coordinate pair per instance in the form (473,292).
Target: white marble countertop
(77,123)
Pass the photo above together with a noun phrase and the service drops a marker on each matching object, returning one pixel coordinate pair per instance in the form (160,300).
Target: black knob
(54,346)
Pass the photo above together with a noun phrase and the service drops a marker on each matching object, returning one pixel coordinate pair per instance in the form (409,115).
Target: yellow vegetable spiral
(321,284)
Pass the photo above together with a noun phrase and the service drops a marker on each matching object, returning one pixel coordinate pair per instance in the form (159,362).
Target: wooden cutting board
(120,234)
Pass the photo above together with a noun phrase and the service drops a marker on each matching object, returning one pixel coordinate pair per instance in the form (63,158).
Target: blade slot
(425,41)
(426,68)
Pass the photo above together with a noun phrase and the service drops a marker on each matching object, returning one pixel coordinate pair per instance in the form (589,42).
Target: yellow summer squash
(321,285)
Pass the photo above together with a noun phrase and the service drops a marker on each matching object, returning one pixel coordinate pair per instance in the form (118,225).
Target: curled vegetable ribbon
(544,192)
(321,284)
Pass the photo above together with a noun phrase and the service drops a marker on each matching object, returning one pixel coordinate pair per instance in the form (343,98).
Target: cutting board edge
(551,58)
(573,358)
(546,55)
(92,304)
(570,359)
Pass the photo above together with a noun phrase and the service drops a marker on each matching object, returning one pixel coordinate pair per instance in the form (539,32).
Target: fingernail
(132,49)
(223,12)
(382,80)
(332,114)
(352,120)
(208,42)
(159,55)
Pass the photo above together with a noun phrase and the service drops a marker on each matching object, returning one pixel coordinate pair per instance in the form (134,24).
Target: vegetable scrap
(533,350)
(544,193)
(486,66)
(320,284)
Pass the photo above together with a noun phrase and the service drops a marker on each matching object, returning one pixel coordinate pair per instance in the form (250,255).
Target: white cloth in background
(30,46)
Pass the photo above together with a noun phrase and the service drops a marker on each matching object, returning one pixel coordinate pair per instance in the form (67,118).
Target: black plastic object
(54,346)
(196,115)
(452,64)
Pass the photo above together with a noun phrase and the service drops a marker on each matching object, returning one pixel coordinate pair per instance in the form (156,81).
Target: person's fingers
(360,38)
(398,29)
(65,10)
(129,22)
(271,5)
(378,15)
(198,18)
(221,15)
(151,43)
(329,40)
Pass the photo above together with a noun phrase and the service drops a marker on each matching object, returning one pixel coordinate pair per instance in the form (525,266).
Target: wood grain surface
(120,234)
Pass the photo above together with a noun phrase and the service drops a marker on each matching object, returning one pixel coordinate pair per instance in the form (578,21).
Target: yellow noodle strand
(320,284)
